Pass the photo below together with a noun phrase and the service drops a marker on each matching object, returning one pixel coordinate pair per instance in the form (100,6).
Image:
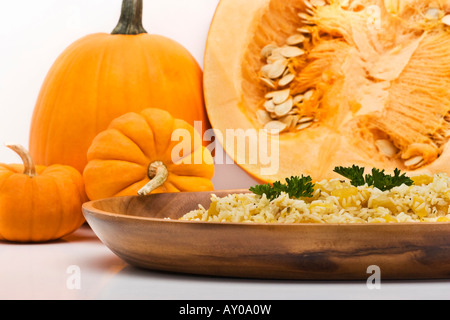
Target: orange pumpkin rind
(141,154)
(38,203)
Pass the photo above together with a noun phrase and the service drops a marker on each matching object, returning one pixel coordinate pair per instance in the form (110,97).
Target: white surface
(33,34)
(41,272)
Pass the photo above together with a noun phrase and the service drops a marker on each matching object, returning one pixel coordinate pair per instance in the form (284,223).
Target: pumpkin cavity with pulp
(344,82)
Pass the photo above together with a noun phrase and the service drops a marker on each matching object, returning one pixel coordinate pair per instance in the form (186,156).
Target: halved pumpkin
(342,82)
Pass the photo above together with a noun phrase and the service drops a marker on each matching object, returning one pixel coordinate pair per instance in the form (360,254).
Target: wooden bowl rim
(90,209)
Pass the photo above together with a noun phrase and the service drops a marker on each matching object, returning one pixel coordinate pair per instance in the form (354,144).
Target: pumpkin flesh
(373,88)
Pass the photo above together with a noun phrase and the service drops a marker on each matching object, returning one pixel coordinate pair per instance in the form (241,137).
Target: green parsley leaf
(295,187)
(355,174)
(378,179)
(267,189)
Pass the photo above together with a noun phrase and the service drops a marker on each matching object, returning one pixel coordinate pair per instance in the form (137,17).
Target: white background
(34,33)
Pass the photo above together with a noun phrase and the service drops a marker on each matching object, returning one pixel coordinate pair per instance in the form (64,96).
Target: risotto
(337,201)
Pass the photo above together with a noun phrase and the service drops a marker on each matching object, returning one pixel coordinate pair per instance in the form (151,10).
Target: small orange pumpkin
(103,76)
(150,152)
(39,203)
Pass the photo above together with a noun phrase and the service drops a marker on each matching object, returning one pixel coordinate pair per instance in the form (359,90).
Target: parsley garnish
(295,187)
(377,179)
(355,174)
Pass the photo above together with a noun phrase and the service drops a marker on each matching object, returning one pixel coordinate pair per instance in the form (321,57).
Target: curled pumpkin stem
(158,173)
(28,163)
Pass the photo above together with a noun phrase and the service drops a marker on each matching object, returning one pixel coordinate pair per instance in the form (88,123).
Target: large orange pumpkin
(103,76)
(149,152)
(39,203)
(362,82)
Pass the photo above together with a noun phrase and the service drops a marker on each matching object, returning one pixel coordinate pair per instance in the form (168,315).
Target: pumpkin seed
(275,56)
(265,70)
(294,111)
(292,52)
(304,30)
(286,72)
(283,109)
(268,82)
(267,50)
(415,161)
(277,69)
(446,20)
(310,11)
(279,96)
(298,98)
(290,121)
(263,117)
(296,39)
(286,80)
(308,4)
(304,16)
(274,116)
(294,121)
(304,126)
(308,95)
(269,105)
(275,127)
(386,147)
(305,119)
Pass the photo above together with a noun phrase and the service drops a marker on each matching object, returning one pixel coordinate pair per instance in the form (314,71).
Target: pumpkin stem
(28,163)
(130,22)
(158,173)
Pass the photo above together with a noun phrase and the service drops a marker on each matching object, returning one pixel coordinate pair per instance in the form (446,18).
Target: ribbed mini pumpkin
(38,203)
(149,152)
(103,76)
(340,83)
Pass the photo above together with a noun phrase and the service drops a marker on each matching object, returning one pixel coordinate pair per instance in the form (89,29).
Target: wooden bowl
(137,230)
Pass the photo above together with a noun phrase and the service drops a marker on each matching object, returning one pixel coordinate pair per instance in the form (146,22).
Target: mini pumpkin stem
(28,163)
(158,173)
(130,22)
